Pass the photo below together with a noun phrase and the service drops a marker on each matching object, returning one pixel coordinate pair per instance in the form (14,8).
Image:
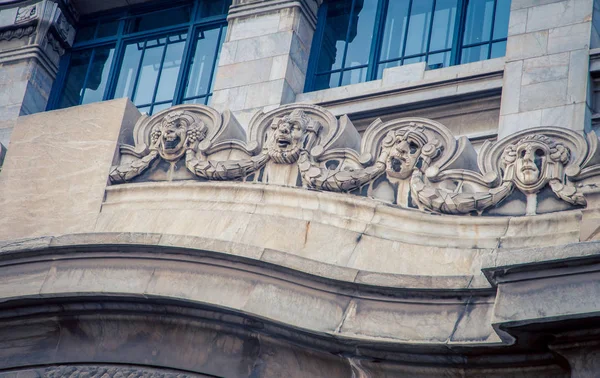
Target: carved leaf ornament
(411,162)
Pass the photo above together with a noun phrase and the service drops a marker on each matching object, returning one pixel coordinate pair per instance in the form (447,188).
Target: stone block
(577,89)
(559,14)
(511,87)
(545,68)
(517,22)
(236,75)
(543,95)
(227,55)
(254,26)
(57,186)
(403,74)
(527,45)
(263,47)
(266,93)
(511,123)
(569,38)
(520,4)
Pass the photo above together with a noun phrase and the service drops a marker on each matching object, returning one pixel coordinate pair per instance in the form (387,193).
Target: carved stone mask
(176,131)
(405,148)
(530,162)
(286,137)
(533,160)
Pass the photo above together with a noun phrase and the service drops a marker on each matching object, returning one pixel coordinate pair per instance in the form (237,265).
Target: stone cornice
(249,8)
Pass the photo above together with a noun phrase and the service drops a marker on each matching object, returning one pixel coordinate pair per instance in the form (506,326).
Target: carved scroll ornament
(415,162)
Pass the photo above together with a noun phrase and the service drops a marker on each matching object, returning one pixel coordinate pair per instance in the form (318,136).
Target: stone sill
(414,84)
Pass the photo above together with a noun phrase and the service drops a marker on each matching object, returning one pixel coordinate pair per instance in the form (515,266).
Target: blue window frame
(357,39)
(158,57)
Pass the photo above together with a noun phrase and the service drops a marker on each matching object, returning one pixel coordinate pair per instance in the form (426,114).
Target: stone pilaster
(547,60)
(33,36)
(264,59)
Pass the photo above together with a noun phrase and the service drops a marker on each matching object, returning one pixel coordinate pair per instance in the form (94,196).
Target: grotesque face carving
(533,161)
(405,149)
(286,138)
(176,132)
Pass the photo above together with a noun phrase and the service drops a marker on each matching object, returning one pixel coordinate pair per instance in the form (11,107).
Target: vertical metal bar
(192,31)
(87,74)
(492,29)
(315,50)
(115,68)
(378,30)
(408,17)
(137,73)
(430,31)
(214,63)
(59,82)
(160,68)
(346,45)
(459,27)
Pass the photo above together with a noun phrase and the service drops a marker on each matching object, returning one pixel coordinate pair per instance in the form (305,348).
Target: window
(156,57)
(357,39)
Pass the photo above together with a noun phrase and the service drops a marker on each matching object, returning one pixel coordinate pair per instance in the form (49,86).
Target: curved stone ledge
(330,301)
(346,231)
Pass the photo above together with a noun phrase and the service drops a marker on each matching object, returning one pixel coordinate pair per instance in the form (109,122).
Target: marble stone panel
(545,68)
(56,168)
(528,45)
(558,14)
(543,95)
(254,26)
(263,46)
(238,74)
(569,38)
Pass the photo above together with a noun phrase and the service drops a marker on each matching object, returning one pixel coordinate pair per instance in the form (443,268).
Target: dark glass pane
(439,60)
(501,22)
(383,66)
(442,32)
(357,75)
(474,54)
(107,29)
(418,27)
(157,108)
(498,49)
(129,70)
(160,19)
(414,60)
(149,71)
(395,25)
(479,21)
(361,33)
(171,67)
(75,78)
(325,81)
(201,65)
(85,33)
(334,35)
(98,75)
(210,8)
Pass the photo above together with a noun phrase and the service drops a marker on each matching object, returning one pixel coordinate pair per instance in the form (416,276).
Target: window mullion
(87,75)
(430,31)
(137,72)
(315,53)
(160,69)
(346,42)
(192,32)
(214,66)
(116,65)
(379,27)
(405,39)
(459,28)
(489,54)
(61,78)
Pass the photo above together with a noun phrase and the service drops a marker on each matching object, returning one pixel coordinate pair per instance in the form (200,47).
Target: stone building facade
(299,188)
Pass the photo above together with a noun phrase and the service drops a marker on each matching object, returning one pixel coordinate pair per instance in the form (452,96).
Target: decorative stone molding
(106,372)
(413,162)
(248,8)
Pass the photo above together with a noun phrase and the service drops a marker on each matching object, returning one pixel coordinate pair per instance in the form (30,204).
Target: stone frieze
(411,162)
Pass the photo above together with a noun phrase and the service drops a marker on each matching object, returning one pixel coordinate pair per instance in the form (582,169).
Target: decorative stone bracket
(412,162)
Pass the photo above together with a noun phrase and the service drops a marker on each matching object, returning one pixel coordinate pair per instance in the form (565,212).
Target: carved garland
(429,168)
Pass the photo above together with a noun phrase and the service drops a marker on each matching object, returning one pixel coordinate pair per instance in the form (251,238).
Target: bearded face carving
(175,133)
(407,149)
(533,161)
(285,139)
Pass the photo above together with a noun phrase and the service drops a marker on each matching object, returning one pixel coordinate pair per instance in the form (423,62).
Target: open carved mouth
(283,143)
(396,164)
(171,142)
